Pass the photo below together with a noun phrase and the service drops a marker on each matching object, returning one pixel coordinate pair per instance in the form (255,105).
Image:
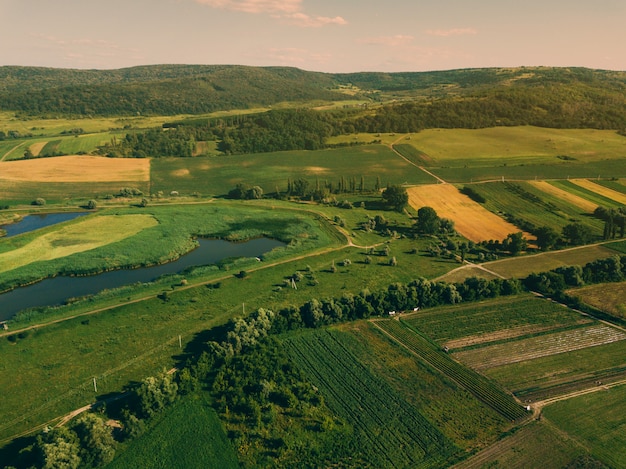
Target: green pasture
(525,202)
(594,421)
(524,172)
(362,138)
(520,267)
(516,146)
(187,435)
(62,194)
(218,175)
(532,444)
(12,149)
(448,323)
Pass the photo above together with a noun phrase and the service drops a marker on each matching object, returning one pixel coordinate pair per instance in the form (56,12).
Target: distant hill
(595,98)
(158,89)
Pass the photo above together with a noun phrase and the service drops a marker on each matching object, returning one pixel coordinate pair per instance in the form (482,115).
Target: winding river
(56,290)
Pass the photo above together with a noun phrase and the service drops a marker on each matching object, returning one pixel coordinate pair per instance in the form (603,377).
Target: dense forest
(193,89)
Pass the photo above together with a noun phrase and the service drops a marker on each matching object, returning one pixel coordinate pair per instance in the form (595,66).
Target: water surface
(55,291)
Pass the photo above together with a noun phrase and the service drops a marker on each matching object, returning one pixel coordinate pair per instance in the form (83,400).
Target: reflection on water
(56,290)
(39,220)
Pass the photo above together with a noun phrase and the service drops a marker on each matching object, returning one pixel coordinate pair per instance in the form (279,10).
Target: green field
(392,432)
(218,175)
(532,444)
(462,155)
(558,374)
(480,319)
(483,389)
(534,206)
(520,267)
(594,421)
(469,423)
(187,435)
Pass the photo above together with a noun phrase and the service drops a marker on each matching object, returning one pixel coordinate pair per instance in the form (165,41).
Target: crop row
(479,386)
(457,323)
(397,434)
(540,346)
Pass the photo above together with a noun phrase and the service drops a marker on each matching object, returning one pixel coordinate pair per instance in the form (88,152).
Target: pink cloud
(302,19)
(289,10)
(451,32)
(255,6)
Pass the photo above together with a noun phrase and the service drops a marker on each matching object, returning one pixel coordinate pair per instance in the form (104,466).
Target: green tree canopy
(396,197)
(428,221)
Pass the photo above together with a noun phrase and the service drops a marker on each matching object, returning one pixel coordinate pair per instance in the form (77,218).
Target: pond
(55,291)
(39,220)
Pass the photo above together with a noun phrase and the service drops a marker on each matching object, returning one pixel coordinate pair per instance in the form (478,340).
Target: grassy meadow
(218,175)
(593,421)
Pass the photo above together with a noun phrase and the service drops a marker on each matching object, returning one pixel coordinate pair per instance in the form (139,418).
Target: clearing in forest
(575,200)
(77,237)
(470,218)
(603,191)
(76,168)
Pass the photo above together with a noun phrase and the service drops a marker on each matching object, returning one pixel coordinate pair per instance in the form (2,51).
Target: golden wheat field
(470,218)
(76,168)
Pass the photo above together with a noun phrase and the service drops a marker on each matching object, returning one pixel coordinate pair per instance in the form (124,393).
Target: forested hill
(492,96)
(158,89)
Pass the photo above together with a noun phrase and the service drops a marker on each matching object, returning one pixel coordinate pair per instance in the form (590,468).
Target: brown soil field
(470,218)
(603,191)
(575,200)
(36,148)
(76,168)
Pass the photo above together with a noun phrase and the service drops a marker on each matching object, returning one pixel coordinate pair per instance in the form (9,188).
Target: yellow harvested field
(603,191)
(470,218)
(36,148)
(76,168)
(76,237)
(575,200)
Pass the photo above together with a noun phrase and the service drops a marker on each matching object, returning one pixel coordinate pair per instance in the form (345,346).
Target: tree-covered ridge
(158,90)
(594,96)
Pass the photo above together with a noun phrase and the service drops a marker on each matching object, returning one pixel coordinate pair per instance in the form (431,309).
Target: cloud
(389,41)
(289,10)
(307,21)
(451,32)
(255,6)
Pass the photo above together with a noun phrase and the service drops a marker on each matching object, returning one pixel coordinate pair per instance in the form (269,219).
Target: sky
(335,36)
